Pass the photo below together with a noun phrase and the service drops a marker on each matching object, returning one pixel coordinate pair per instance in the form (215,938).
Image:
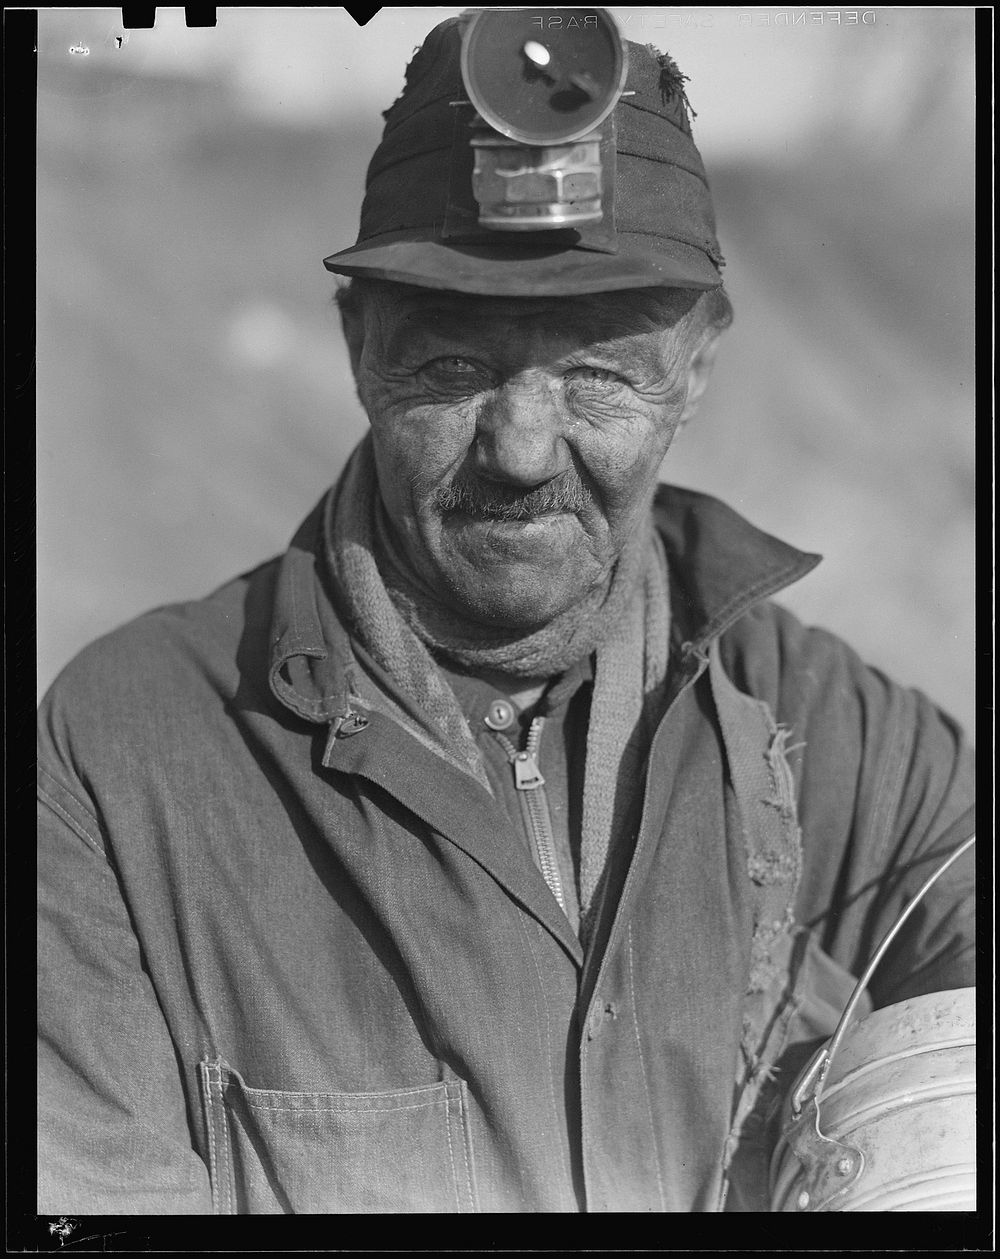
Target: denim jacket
(293,961)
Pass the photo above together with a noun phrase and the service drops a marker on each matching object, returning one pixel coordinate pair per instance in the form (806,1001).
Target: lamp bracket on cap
(543,85)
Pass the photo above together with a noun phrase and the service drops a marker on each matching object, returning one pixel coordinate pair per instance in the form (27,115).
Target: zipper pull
(527,775)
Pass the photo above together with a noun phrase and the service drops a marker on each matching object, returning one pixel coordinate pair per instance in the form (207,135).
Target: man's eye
(594,376)
(453,366)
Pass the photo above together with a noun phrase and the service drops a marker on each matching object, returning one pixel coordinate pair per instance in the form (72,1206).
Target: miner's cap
(419,219)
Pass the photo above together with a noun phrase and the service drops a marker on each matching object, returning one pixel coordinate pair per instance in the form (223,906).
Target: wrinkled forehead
(587,317)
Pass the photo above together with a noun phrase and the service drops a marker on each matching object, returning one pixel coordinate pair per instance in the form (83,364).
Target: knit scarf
(403,624)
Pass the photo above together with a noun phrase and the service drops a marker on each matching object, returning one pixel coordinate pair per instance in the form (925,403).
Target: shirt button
(499,715)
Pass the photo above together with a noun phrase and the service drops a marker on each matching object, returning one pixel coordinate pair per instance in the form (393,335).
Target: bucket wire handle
(820,1068)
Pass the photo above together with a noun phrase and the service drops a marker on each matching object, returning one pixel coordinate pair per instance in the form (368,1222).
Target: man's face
(517,441)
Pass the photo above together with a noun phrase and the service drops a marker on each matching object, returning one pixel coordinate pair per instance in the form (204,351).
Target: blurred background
(194,395)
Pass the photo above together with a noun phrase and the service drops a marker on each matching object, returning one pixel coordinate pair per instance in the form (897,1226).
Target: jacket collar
(720,566)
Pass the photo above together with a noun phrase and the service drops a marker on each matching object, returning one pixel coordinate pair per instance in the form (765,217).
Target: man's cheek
(621,461)
(390,402)
(414,460)
(620,418)
(409,412)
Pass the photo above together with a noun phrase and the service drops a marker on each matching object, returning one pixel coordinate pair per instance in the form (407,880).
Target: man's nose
(519,433)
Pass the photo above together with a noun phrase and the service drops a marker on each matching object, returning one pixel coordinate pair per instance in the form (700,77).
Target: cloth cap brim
(509,270)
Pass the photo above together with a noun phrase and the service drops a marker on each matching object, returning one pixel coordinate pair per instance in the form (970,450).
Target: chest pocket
(273,1153)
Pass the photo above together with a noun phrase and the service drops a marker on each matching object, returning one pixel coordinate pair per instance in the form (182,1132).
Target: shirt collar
(720,566)
(476,697)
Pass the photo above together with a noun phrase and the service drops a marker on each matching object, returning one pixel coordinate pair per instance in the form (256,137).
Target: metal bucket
(896,1131)
(898,1115)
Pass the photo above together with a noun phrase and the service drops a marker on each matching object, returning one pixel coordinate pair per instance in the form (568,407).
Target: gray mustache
(492,501)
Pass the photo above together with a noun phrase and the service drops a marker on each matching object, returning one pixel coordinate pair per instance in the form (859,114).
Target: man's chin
(516,596)
(517,575)
(510,609)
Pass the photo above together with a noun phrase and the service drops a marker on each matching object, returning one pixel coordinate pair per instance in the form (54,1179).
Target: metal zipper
(529,782)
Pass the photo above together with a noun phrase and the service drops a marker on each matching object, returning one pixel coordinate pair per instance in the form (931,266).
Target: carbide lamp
(544,84)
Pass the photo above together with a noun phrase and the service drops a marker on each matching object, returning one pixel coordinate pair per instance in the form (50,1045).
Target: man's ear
(699,373)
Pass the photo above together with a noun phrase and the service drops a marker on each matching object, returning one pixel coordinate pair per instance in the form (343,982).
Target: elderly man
(499,847)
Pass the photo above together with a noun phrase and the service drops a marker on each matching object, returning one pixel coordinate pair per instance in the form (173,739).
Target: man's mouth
(519,524)
(511,505)
(520,520)
(524,538)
